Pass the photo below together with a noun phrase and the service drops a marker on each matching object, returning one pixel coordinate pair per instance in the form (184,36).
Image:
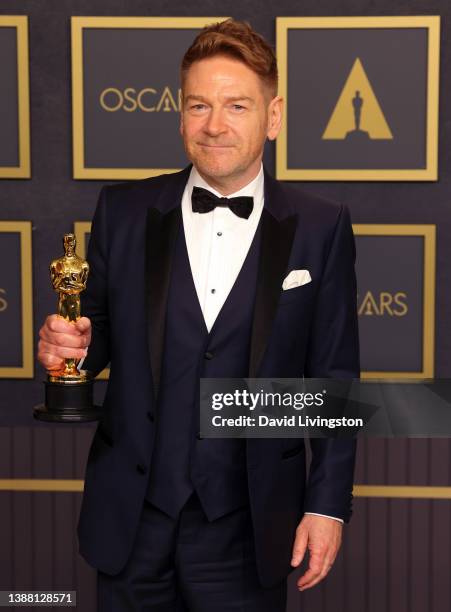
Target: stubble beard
(217,168)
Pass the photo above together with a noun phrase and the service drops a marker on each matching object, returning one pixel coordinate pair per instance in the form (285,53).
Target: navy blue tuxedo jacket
(310,330)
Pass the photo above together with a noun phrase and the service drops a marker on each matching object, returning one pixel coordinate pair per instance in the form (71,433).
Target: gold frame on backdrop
(23,170)
(430,173)
(428,232)
(78,24)
(59,485)
(26,370)
(81,228)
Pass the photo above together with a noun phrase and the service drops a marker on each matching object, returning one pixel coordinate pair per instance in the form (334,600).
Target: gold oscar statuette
(68,390)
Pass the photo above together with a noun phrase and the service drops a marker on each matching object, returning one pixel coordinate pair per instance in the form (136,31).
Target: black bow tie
(204,201)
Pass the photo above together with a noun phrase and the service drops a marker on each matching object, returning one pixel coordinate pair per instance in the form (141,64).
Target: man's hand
(322,536)
(61,339)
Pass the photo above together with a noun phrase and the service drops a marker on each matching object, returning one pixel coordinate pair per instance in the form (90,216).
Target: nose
(215,124)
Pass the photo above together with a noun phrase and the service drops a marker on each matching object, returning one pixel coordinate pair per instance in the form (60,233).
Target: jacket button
(150,416)
(208,355)
(141,468)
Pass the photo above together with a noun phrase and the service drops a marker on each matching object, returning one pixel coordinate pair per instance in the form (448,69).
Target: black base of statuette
(68,403)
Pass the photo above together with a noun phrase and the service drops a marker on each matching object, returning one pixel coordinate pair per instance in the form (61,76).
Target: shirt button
(141,468)
(219,234)
(208,355)
(213,290)
(150,416)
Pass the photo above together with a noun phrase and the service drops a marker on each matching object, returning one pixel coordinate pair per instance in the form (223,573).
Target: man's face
(226,117)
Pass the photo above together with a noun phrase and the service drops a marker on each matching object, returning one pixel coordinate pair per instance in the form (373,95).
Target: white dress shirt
(217,244)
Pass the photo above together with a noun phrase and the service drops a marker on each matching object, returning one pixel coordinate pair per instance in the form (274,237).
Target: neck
(231,184)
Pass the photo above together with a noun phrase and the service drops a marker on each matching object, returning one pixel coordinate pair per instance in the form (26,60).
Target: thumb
(299,547)
(83,324)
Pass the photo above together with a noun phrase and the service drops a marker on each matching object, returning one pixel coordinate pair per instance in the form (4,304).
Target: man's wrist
(335,518)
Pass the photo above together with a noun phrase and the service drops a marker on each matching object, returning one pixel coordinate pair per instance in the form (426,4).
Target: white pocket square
(296,278)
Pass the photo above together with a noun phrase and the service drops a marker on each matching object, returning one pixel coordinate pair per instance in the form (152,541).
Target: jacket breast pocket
(303,292)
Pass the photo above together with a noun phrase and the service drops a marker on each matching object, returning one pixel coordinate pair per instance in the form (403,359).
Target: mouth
(209,146)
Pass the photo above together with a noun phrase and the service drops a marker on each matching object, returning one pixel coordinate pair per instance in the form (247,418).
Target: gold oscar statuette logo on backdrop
(68,391)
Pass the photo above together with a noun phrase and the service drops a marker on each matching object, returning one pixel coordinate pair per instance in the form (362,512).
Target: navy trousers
(190,565)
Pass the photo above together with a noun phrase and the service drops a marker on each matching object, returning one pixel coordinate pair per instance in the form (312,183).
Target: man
(185,284)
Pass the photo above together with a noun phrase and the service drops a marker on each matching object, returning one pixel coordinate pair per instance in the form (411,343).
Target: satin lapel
(275,248)
(161,233)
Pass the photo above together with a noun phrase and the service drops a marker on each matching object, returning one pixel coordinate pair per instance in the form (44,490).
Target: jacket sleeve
(94,300)
(333,352)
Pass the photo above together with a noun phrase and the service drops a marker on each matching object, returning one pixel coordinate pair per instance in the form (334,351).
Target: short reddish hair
(238,40)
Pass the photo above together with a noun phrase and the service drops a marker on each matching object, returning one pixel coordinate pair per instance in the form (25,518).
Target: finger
(331,555)
(49,361)
(327,565)
(332,552)
(63,339)
(316,579)
(313,582)
(83,324)
(309,580)
(299,547)
(314,569)
(55,323)
(61,351)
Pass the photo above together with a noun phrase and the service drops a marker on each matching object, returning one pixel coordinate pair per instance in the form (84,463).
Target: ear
(275,113)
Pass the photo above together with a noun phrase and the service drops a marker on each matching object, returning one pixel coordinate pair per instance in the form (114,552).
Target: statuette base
(68,401)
